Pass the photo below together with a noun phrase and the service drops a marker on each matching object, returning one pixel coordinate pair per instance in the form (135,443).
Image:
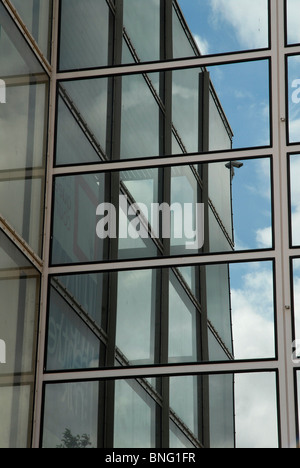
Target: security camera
(234,164)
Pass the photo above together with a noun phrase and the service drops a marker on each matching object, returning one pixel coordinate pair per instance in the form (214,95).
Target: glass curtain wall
(19,290)
(148,223)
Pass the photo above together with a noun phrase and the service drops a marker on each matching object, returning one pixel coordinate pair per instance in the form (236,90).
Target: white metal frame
(281,254)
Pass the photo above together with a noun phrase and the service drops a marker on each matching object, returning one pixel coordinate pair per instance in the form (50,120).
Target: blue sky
(221,26)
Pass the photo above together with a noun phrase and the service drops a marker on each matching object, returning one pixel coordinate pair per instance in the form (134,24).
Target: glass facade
(149,244)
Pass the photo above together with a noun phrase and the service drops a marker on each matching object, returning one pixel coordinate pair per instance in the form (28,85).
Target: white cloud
(297,305)
(253,331)
(256,411)
(264,238)
(248,18)
(295,130)
(295,196)
(202,44)
(253,315)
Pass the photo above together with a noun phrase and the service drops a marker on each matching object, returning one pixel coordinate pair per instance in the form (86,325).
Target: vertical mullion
(166,48)
(202,325)
(281,223)
(47,230)
(112,185)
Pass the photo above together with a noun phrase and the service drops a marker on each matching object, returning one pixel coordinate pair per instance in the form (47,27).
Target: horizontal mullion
(204,61)
(228,257)
(164,371)
(178,160)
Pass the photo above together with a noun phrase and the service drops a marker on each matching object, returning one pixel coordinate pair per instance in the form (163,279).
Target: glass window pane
(19,292)
(135,116)
(182,324)
(294,98)
(218,302)
(296,303)
(84,34)
(220,26)
(136,343)
(16,58)
(71,342)
(71,416)
(37,15)
(82,111)
(221,408)
(253,310)
(256,411)
(245,103)
(198,29)
(217,207)
(23,103)
(140,117)
(15,404)
(135,416)
(295,198)
(298,403)
(142,28)
(211,317)
(205,411)
(73,146)
(293,33)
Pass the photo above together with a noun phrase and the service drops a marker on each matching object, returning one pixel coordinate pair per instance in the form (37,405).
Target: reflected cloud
(253,312)
(248,19)
(202,44)
(264,237)
(256,411)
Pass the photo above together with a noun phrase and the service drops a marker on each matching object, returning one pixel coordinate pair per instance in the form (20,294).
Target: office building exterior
(123,323)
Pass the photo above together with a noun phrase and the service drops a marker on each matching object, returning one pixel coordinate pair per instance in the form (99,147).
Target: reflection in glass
(140,117)
(295,198)
(298,403)
(84,27)
(184,330)
(294,98)
(22,166)
(296,290)
(220,26)
(160,114)
(142,28)
(37,15)
(293,32)
(71,410)
(151,31)
(244,92)
(19,292)
(71,342)
(207,313)
(215,207)
(242,413)
(253,312)
(136,305)
(135,416)
(256,410)
(227,206)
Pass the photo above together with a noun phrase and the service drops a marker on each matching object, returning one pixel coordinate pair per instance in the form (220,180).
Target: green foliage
(70,442)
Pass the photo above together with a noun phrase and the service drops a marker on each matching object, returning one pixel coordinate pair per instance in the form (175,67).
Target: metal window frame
(282,254)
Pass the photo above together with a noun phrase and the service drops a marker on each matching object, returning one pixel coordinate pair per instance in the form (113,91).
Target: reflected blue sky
(244,92)
(221,26)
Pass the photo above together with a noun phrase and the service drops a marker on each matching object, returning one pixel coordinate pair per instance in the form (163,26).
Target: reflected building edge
(86,138)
